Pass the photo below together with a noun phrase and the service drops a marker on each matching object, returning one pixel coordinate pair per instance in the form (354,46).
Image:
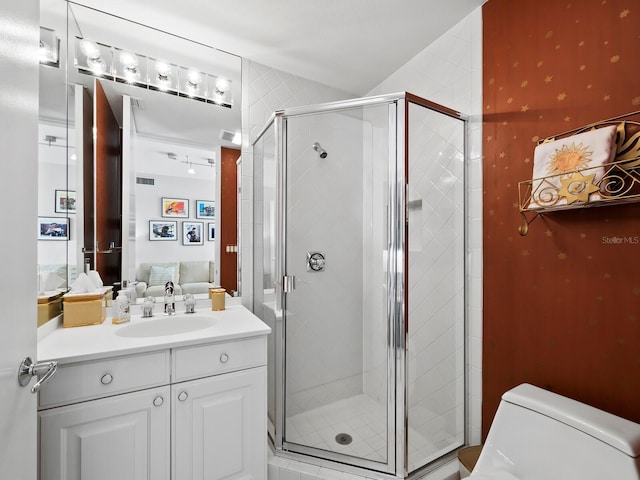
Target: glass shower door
(337,361)
(435,286)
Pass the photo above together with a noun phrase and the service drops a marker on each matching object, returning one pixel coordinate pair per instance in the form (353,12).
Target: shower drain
(344,438)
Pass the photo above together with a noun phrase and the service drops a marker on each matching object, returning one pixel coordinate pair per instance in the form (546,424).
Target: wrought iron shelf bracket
(612,183)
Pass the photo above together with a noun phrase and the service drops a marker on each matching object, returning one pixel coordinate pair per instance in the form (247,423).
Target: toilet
(539,435)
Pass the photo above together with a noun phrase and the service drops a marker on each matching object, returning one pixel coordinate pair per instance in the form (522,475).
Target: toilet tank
(539,435)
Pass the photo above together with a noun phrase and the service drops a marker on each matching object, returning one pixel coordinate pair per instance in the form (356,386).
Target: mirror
(137,160)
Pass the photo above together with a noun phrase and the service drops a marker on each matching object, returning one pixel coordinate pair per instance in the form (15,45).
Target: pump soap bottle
(121,309)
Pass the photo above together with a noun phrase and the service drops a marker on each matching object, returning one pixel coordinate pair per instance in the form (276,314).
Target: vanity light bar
(124,66)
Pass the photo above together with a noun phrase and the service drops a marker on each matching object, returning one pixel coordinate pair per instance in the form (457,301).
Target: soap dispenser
(121,308)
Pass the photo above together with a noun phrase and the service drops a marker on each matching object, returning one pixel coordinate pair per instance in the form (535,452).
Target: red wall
(561,305)
(228,236)
(108,188)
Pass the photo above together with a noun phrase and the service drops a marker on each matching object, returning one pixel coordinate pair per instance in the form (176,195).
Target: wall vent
(226,135)
(145,181)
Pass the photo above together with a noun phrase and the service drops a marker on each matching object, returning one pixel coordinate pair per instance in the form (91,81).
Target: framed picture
(205,209)
(163,230)
(192,233)
(53,228)
(175,207)
(211,229)
(65,201)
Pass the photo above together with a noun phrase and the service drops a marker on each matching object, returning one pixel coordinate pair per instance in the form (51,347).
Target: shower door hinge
(288,283)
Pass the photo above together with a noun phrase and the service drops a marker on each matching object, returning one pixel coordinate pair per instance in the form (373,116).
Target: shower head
(320,150)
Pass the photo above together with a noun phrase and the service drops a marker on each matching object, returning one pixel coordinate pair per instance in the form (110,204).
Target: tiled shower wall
(265,90)
(449,72)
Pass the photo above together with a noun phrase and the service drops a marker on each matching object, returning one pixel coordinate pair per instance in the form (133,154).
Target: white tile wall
(265,90)
(447,72)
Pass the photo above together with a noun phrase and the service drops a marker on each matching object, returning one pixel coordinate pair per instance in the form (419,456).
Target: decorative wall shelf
(612,183)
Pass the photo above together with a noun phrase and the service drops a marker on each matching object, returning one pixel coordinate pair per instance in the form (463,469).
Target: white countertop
(76,344)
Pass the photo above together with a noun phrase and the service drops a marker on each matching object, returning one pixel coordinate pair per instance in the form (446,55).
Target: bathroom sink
(172,325)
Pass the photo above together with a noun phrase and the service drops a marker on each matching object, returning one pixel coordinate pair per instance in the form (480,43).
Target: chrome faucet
(189,303)
(169,299)
(147,307)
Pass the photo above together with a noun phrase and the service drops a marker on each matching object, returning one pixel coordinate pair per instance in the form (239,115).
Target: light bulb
(194,77)
(192,84)
(222,86)
(163,79)
(97,65)
(128,59)
(131,73)
(89,48)
(163,68)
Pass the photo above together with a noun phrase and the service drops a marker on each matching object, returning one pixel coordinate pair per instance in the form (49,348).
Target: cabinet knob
(158,401)
(182,396)
(224,358)
(106,379)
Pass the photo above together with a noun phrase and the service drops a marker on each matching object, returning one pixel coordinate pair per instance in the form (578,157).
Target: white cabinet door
(220,427)
(125,437)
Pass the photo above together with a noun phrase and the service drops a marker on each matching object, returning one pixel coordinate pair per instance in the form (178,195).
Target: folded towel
(83,284)
(555,162)
(95,278)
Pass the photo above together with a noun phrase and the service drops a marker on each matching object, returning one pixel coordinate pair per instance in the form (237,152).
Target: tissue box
(85,308)
(49,306)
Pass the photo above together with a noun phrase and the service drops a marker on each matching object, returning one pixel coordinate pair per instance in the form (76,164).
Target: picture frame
(65,201)
(211,231)
(205,209)
(175,207)
(53,228)
(192,233)
(163,230)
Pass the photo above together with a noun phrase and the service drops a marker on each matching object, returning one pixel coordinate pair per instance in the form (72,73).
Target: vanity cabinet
(187,413)
(215,423)
(124,437)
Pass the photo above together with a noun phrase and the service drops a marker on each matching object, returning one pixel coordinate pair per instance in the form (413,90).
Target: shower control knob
(315,262)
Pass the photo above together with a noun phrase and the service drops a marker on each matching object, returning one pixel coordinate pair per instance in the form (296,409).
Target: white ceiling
(351,45)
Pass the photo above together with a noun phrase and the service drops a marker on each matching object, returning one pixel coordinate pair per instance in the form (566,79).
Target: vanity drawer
(85,381)
(212,359)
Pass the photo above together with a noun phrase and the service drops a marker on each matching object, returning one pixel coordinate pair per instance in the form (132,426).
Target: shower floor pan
(360,417)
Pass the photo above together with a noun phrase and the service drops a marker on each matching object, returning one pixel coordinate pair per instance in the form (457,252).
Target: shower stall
(359,269)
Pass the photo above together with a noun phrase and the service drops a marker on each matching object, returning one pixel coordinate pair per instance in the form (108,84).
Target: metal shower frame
(397,227)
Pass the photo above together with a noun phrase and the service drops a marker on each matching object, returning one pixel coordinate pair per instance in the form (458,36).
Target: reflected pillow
(558,160)
(161,275)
